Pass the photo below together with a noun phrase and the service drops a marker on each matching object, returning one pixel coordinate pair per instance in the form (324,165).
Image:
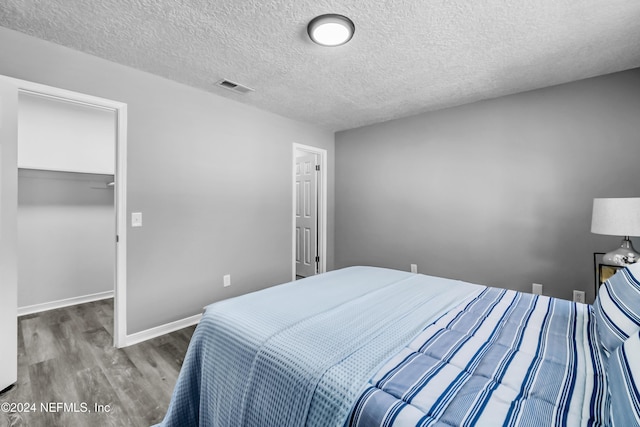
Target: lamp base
(624,255)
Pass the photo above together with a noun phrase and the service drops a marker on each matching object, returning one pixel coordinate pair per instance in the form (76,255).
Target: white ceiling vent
(233,86)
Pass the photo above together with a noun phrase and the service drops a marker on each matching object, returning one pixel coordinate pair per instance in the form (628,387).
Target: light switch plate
(136,219)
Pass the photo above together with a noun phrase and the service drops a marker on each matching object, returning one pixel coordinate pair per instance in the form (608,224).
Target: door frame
(120,197)
(322,205)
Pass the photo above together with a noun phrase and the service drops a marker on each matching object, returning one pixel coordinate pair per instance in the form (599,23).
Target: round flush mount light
(331,29)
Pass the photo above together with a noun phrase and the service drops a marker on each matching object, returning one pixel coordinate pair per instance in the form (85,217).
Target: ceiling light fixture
(331,29)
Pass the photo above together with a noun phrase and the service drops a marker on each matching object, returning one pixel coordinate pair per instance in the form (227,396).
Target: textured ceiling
(407,56)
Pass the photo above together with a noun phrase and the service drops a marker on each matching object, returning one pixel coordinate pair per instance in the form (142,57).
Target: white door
(8,235)
(306,215)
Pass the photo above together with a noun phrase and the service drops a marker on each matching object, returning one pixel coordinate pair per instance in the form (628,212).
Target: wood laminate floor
(69,373)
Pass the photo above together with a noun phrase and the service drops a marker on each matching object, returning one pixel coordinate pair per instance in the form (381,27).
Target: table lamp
(618,217)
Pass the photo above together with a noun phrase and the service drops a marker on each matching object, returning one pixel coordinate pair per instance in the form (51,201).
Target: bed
(366,346)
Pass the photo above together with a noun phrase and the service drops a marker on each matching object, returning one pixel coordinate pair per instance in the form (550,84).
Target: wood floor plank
(130,386)
(66,356)
(39,339)
(159,374)
(86,313)
(183,336)
(105,408)
(55,396)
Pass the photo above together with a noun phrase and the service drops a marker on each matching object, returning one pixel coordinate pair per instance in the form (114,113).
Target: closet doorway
(71,159)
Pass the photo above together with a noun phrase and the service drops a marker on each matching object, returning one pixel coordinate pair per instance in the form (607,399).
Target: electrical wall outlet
(578,296)
(414,268)
(226,280)
(536,289)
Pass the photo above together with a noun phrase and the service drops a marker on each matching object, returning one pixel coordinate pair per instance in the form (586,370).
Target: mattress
(368,346)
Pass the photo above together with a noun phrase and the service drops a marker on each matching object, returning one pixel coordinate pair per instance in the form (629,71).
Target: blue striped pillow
(617,308)
(623,373)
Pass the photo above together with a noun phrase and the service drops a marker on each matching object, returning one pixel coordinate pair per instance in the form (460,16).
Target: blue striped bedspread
(300,353)
(503,359)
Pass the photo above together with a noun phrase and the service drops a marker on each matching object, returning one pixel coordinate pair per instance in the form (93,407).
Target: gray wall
(496,192)
(66,228)
(211,176)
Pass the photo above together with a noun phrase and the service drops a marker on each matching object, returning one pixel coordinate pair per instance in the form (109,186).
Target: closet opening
(71,202)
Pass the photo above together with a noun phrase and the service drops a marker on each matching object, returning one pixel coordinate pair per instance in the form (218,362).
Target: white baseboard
(37,308)
(148,334)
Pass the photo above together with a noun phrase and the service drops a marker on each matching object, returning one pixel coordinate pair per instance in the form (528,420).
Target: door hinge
(317,259)
(117,238)
(318,167)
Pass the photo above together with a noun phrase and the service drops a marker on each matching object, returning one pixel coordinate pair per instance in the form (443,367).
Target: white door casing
(306,215)
(121,339)
(8,235)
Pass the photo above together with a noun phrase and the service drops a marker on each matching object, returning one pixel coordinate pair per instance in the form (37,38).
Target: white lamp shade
(616,217)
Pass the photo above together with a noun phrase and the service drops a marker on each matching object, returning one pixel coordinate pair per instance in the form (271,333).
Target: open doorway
(309,233)
(92,193)
(66,203)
